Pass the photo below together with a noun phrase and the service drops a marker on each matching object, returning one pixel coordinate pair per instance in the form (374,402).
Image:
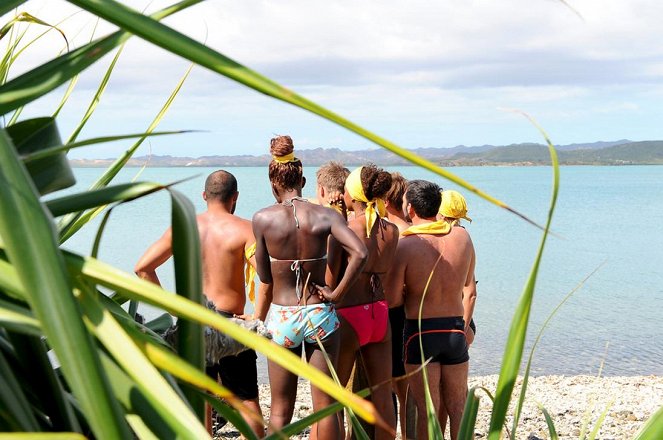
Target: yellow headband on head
(454,205)
(285,159)
(374,208)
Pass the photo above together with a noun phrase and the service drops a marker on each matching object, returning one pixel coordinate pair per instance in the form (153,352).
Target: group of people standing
(377,270)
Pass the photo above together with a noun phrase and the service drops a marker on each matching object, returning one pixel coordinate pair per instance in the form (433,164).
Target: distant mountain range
(623,152)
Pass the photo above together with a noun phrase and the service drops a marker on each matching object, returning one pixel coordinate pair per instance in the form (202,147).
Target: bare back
(417,256)
(285,243)
(381,247)
(223,240)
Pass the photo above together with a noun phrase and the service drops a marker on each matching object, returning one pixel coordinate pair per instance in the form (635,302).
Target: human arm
(395,280)
(469,299)
(155,256)
(263,301)
(263,267)
(357,255)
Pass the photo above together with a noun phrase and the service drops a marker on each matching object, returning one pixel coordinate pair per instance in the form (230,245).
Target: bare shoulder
(263,216)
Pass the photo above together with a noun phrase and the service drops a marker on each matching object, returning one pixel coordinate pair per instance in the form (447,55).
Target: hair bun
(281,146)
(376,182)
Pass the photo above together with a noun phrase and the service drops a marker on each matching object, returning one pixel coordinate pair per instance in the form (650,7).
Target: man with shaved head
(226,242)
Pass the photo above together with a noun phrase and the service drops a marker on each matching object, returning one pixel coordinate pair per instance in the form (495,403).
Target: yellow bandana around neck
(285,159)
(375,208)
(434,228)
(250,272)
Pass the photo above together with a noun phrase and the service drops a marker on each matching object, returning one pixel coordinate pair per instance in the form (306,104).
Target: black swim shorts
(397,321)
(237,373)
(443,340)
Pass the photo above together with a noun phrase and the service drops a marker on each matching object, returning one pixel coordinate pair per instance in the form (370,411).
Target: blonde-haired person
(330,186)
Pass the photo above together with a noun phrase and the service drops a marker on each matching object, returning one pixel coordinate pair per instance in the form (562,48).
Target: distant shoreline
(494,165)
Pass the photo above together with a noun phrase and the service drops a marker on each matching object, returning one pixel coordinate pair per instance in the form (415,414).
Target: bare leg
(208,419)
(327,428)
(417,389)
(377,361)
(346,358)
(399,387)
(442,414)
(254,406)
(454,393)
(283,385)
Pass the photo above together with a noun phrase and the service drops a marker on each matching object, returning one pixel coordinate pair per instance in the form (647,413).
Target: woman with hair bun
(291,254)
(365,314)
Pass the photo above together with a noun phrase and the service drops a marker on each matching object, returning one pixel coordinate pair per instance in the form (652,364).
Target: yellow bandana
(250,272)
(454,205)
(285,159)
(375,208)
(433,228)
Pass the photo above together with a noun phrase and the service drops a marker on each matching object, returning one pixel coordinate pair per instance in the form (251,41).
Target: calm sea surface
(607,218)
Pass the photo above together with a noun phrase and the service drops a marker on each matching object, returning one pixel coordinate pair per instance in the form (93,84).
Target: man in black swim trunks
(226,241)
(436,250)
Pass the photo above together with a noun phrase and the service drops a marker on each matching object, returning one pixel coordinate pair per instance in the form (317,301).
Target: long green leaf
(133,361)
(43,436)
(469,420)
(92,141)
(599,422)
(97,97)
(516,341)
(141,290)
(13,317)
(188,283)
(47,77)
(92,199)
(28,239)
(70,224)
(184,46)
(229,414)
(653,429)
(523,389)
(549,421)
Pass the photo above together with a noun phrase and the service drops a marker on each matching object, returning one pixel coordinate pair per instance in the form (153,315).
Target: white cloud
(423,73)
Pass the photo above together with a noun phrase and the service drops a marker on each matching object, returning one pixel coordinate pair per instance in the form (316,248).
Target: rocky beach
(575,404)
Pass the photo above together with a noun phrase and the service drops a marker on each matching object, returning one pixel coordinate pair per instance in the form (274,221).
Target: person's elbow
(361,253)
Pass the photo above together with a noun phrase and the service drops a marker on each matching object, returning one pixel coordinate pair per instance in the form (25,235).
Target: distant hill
(623,152)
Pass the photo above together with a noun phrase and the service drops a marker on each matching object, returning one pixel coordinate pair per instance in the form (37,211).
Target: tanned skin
(451,258)
(277,236)
(223,240)
(376,356)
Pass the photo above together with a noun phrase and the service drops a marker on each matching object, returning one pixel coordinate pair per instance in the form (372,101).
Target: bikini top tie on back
(296,265)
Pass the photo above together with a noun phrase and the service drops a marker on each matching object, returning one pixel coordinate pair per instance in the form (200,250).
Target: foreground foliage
(71,358)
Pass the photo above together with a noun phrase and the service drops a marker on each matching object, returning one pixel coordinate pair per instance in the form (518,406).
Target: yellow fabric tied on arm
(285,159)
(250,272)
(433,228)
(375,208)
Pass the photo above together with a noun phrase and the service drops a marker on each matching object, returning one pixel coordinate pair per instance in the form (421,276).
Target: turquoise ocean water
(610,218)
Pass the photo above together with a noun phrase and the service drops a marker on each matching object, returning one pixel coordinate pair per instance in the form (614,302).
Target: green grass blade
(97,97)
(72,223)
(98,140)
(599,422)
(523,390)
(140,290)
(198,53)
(469,420)
(549,421)
(188,283)
(518,332)
(47,77)
(28,240)
(653,429)
(43,436)
(92,199)
(125,352)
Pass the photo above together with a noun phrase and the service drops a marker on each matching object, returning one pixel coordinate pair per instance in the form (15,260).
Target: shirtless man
(434,247)
(224,239)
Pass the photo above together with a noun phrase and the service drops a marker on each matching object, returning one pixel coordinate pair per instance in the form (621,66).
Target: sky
(419,73)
